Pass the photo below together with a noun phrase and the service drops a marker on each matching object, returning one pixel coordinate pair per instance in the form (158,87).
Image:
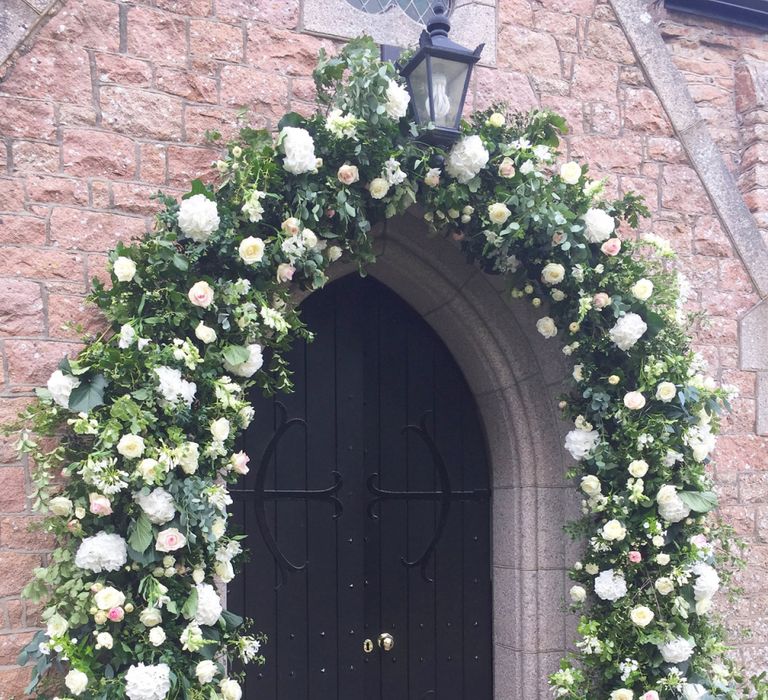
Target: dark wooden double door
(367,513)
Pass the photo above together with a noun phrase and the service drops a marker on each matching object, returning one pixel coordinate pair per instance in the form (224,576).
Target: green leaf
(235,354)
(88,395)
(699,501)
(180,262)
(140,534)
(198,187)
(231,620)
(190,605)
(291,119)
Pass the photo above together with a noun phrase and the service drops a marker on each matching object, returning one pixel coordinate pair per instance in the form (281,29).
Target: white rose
(76,681)
(553,273)
(206,671)
(613,530)
(671,507)
(642,289)
(546,326)
(496,120)
(334,253)
(149,617)
(251,250)
(208,605)
(148,682)
(224,571)
(109,597)
(610,586)
(627,331)
(60,505)
(378,187)
(124,269)
(230,689)
(205,334)
(198,217)
(299,150)
(56,626)
(570,173)
(467,158)
(201,294)
(250,366)
(157,505)
(104,640)
(157,636)
(578,594)
(170,540)
(220,429)
(676,651)
(398,98)
(102,552)
(127,336)
(498,212)
(131,446)
(641,615)
(666,391)
(60,385)
(622,694)
(348,174)
(432,178)
(581,442)
(664,585)
(662,559)
(638,468)
(598,226)
(634,400)
(218,528)
(590,485)
(198,575)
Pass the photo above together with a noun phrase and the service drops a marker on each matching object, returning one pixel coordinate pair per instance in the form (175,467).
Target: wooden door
(367,512)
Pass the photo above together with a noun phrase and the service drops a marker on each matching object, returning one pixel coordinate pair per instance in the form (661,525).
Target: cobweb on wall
(418,10)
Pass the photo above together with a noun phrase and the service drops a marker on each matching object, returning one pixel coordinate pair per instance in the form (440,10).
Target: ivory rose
(124,269)
(205,334)
(291,226)
(201,294)
(638,468)
(239,462)
(251,250)
(99,505)
(578,594)
(432,178)
(546,326)
(553,273)
(498,212)
(570,173)
(348,174)
(590,485)
(378,187)
(642,289)
(109,597)
(634,400)
(601,300)
(131,446)
(641,615)
(666,391)
(76,682)
(614,531)
(285,272)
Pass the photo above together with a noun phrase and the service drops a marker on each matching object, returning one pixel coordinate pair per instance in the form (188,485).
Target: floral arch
(203,309)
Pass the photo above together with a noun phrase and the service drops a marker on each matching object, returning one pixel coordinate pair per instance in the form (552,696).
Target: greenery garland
(200,312)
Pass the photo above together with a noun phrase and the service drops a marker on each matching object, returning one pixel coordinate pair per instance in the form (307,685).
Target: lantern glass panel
(419,84)
(449,78)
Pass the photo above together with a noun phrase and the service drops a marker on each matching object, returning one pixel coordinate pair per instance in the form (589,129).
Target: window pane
(418,10)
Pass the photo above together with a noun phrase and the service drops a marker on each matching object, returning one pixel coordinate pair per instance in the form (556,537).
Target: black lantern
(438,77)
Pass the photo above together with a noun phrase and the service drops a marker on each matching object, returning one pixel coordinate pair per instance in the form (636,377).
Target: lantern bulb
(440,100)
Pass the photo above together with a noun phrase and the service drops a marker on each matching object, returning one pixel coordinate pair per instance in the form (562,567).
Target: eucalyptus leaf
(699,501)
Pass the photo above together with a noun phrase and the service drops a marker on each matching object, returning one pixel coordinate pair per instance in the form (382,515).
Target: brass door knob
(386,641)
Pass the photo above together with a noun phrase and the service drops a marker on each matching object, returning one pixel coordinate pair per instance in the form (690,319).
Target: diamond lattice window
(418,10)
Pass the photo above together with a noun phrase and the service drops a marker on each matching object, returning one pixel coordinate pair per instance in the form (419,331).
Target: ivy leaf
(198,187)
(235,354)
(290,119)
(190,606)
(699,501)
(88,395)
(140,534)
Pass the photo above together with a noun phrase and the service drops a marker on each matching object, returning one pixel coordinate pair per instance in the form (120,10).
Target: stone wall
(111,101)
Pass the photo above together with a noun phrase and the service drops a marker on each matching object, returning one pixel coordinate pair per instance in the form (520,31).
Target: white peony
(641,615)
(148,682)
(250,366)
(397,102)
(676,651)
(553,273)
(299,150)
(467,158)
(157,505)
(124,269)
(628,330)
(546,326)
(581,442)
(671,506)
(598,226)
(173,388)
(206,671)
(208,605)
(60,385)
(108,597)
(610,586)
(613,530)
(76,681)
(230,689)
(642,289)
(157,636)
(61,506)
(131,446)
(102,552)
(198,217)
(707,582)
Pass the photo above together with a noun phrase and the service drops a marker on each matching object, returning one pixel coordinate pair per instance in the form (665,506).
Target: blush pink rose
(601,300)
(348,174)
(650,695)
(558,238)
(635,557)
(116,614)
(611,247)
(239,462)
(291,226)
(634,400)
(99,505)
(201,294)
(170,540)
(699,540)
(285,272)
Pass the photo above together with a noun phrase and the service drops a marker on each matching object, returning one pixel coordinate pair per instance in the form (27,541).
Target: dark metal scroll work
(261,495)
(445,496)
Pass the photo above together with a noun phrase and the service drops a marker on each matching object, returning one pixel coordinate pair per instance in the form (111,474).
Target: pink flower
(330,213)
(116,614)
(170,540)
(291,226)
(650,695)
(201,294)
(601,300)
(100,505)
(285,272)
(558,238)
(348,174)
(239,462)
(699,540)
(611,247)
(635,557)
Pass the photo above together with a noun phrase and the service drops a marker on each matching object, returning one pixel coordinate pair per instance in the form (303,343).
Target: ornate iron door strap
(260,495)
(445,496)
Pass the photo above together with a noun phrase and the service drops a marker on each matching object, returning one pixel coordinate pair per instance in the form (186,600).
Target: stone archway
(515,376)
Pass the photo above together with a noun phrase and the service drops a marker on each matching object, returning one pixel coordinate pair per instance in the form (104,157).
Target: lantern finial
(439,24)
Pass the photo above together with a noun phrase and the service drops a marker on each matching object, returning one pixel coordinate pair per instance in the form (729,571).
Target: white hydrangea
(250,366)
(628,330)
(598,225)
(102,552)
(610,585)
(198,217)
(299,150)
(173,388)
(707,582)
(581,442)
(60,385)
(208,605)
(467,158)
(148,682)
(157,505)
(671,506)
(677,650)
(397,102)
